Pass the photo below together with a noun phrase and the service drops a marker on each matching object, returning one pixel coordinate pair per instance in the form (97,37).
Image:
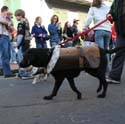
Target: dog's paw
(98,90)
(79,96)
(101,96)
(48,98)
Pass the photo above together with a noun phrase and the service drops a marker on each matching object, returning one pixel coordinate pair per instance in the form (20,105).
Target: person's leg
(20,55)
(44,44)
(53,44)
(1,70)
(22,71)
(5,55)
(68,44)
(102,38)
(107,38)
(118,62)
(0,60)
(99,39)
(38,45)
(13,53)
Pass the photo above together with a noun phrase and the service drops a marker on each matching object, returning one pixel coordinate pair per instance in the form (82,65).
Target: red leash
(109,18)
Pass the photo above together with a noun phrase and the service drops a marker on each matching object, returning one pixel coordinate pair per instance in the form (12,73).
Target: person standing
(23,40)
(103,32)
(117,12)
(67,33)
(75,32)
(54,30)
(97,13)
(5,30)
(40,33)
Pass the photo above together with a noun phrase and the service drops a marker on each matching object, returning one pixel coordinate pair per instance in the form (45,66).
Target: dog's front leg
(105,85)
(36,79)
(72,85)
(57,85)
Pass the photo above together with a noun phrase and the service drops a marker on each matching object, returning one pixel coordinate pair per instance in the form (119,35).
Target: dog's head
(27,60)
(37,57)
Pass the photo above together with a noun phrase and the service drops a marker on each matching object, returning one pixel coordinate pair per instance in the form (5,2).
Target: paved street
(22,103)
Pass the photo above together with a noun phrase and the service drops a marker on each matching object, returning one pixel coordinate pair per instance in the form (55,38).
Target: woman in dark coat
(118,14)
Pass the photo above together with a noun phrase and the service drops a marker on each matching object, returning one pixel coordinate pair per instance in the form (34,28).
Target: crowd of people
(104,35)
(17,41)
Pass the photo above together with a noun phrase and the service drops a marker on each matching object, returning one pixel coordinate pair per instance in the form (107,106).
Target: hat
(75,20)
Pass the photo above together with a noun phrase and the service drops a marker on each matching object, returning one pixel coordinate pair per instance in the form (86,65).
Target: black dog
(41,57)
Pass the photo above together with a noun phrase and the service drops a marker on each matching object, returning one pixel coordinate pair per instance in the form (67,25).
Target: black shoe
(10,76)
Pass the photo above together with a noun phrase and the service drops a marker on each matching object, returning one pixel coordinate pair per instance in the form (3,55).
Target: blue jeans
(0,61)
(5,54)
(13,52)
(102,38)
(41,45)
(88,43)
(68,44)
(52,43)
(22,72)
(20,55)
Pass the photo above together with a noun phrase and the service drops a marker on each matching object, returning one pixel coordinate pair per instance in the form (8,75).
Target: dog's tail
(115,50)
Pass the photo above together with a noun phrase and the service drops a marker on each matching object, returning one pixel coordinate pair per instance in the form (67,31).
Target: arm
(89,18)
(20,34)
(10,26)
(19,39)
(3,21)
(33,32)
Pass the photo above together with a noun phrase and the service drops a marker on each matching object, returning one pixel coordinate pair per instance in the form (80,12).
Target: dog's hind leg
(57,85)
(72,85)
(100,87)
(105,85)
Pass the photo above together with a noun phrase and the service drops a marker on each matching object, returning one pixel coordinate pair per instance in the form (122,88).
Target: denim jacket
(54,33)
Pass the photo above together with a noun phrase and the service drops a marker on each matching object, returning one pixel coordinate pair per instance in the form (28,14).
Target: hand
(40,35)
(58,25)
(110,18)
(32,35)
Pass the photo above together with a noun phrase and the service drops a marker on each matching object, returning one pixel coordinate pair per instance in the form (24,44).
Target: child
(40,33)
(23,40)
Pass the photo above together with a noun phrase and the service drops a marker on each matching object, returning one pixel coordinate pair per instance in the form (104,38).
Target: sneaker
(26,77)
(112,81)
(10,76)
(14,62)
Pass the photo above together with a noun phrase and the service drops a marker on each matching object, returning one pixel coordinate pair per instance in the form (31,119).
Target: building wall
(42,8)
(68,15)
